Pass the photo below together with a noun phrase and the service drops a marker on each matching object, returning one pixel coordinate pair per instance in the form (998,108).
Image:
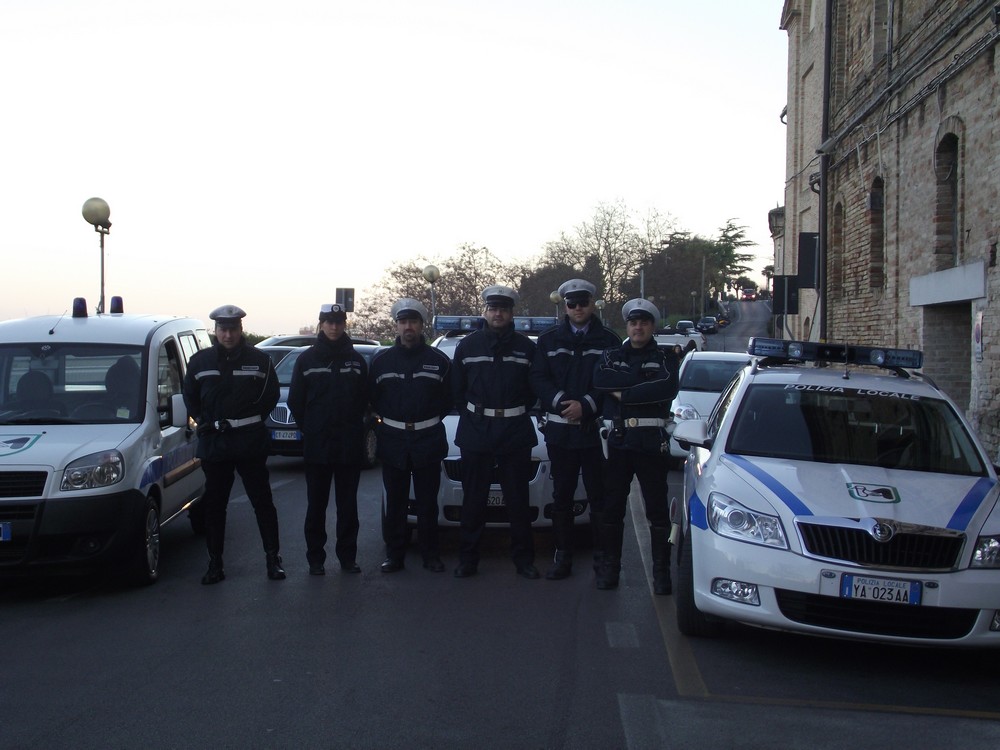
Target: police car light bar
(813,351)
(458,322)
(471,323)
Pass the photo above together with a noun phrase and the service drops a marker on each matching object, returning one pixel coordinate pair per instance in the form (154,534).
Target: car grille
(453,470)
(876,618)
(282,415)
(910,548)
(22,483)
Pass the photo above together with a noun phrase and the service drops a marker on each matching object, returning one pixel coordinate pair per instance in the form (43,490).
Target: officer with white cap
(327,397)
(639,382)
(230,389)
(495,432)
(562,376)
(410,386)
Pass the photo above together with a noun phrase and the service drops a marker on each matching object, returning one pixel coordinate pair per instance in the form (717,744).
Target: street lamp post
(556,300)
(694,296)
(432,274)
(599,304)
(97,212)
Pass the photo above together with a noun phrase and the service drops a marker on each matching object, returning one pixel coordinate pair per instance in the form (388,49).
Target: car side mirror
(178,411)
(692,432)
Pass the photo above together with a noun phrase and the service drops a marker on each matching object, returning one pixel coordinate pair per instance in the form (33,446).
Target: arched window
(876,234)
(946,217)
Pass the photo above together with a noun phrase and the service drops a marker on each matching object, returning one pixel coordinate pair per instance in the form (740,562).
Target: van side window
(189,345)
(168,378)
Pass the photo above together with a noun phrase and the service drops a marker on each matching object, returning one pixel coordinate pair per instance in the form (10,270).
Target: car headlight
(728,518)
(686,411)
(96,470)
(986,553)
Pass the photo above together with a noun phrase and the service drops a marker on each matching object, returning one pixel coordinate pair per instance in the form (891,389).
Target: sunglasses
(574,305)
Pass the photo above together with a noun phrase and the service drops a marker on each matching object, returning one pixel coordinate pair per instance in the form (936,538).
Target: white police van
(96,449)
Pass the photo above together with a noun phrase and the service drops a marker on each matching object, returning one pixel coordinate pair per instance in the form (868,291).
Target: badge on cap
(332,312)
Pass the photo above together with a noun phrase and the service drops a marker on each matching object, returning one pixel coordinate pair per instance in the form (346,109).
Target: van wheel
(144,567)
(691,621)
(370,446)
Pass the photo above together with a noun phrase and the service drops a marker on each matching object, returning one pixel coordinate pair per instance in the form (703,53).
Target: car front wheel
(691,621)
(144,566)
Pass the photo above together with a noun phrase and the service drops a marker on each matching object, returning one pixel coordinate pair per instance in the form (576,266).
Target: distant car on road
(708,324)
(749,294)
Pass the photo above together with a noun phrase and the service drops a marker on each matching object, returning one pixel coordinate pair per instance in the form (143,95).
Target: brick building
(893,160)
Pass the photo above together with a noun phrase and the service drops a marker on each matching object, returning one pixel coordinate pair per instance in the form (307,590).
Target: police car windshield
(853,426)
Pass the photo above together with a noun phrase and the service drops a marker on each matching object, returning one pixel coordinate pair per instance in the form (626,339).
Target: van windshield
(71,383)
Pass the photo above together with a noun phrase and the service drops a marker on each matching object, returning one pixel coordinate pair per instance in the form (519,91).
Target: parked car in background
(286,438)
(701,379)
(303,339)
(277,353)
(851,500)
(686,326)
(708,324)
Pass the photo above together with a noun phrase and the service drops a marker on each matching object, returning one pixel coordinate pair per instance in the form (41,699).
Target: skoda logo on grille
(882,532)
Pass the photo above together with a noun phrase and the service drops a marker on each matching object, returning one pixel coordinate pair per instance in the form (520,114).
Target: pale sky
(264,153)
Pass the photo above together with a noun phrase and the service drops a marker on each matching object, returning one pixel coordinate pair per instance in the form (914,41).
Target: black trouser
(426,483)
(514,472)
(345,479)
(566,464)
(651,470)
(219,479)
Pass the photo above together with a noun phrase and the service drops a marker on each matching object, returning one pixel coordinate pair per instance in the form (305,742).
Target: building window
(946,216)
(876,234)
(836,278)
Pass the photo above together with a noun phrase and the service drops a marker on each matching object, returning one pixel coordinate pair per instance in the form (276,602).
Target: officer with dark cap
(230,389)
(562,375)
(639,382)
(495,432)
(410,387)
(327,398)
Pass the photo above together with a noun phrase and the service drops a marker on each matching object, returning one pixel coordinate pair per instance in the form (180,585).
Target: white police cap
(502,296)
(332,312)
(408,308)
(227,315)
(576,289)
(638,308)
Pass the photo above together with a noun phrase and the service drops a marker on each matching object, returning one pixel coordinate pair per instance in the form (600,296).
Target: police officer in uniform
(495,433)
(410,387)
(639,382)
(327,398)
(562,376)
(229,389)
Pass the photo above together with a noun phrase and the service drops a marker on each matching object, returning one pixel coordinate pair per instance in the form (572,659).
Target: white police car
(96,449)
(452,329)
(839,500)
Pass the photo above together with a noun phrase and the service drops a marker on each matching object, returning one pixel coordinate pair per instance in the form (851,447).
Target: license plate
(5,531)
(495,500)
(286,435)
(871,589)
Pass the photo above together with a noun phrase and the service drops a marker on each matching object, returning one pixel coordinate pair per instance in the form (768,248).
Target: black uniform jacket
(490,371)
(563,369)
(223,385)
(647,379)
(327,397)
(411,385)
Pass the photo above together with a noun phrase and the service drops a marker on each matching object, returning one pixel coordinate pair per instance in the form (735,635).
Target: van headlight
(986,553)
(730,519)
(96,470)
(686,411)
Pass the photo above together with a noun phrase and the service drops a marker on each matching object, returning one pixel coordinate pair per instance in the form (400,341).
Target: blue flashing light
(466,323)
(117,306)
(79,307)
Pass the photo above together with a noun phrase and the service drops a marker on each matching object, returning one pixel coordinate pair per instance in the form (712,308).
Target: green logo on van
(11,444)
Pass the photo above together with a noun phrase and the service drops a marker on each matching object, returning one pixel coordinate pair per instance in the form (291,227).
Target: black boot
(562,531)
(215,573)
(596,520)
(274,571)
(660,542)
(611,560)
